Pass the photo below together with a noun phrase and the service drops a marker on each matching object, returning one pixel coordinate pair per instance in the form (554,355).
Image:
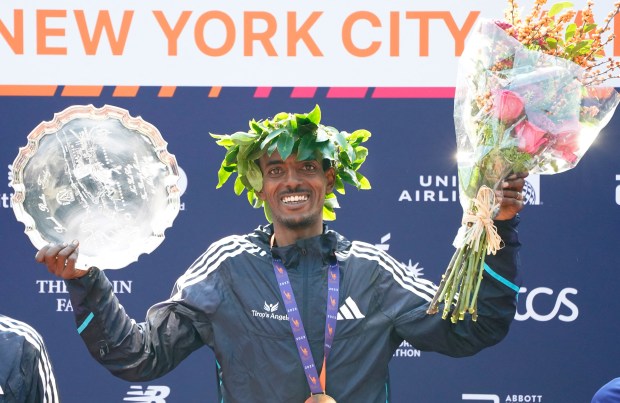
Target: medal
(320,397)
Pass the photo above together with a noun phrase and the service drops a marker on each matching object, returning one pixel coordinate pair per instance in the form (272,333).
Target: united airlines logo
(152,394)
(269,312)
(432,189)
(445,188)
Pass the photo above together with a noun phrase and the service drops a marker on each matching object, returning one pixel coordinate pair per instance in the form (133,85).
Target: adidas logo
(349,310)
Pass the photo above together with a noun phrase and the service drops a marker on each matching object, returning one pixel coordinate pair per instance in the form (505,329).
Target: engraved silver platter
(100,176)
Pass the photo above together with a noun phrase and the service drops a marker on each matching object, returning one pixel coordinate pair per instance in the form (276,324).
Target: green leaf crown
(293,133)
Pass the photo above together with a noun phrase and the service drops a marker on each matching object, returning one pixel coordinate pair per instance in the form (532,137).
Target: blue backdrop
(561,348)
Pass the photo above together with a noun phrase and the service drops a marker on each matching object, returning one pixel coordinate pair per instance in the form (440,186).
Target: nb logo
(561,300)
(152,394)
(480,397)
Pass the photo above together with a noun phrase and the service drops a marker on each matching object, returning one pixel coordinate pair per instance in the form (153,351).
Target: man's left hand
(511,196)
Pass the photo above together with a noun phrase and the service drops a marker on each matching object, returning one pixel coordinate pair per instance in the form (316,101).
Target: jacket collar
(321,247)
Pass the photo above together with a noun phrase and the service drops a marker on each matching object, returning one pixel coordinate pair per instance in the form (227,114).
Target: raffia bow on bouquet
(517,108)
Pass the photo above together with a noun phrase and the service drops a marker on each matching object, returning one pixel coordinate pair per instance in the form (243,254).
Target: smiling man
(294,311)
(294,191)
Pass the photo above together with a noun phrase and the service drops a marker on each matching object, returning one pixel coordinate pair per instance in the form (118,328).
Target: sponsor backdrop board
(563,343)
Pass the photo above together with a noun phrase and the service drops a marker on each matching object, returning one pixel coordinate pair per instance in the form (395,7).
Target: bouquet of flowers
(528,98)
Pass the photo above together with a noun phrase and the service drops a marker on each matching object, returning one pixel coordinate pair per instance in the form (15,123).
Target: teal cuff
(85,323)
(501,279)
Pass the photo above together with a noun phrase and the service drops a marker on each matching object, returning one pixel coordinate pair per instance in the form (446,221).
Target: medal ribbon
(317,385)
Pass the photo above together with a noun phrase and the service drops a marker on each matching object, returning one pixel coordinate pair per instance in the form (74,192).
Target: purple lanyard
(303,347)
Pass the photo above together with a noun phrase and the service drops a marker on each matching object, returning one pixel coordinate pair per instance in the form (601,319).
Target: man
(26,374)
(300,272)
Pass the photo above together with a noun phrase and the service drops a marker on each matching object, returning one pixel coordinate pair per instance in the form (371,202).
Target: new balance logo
(152,394)
(349,310)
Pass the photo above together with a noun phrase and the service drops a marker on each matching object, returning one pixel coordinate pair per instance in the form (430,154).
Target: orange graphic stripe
(215,92)
(125,91)
(82,91)
(166,92)
(28,90)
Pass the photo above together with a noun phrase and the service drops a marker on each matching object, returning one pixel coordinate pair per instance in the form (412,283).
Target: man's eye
(310,167)
(275,171)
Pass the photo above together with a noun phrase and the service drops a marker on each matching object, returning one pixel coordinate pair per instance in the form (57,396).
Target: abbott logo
(152,394)
(561,300)
(480,397)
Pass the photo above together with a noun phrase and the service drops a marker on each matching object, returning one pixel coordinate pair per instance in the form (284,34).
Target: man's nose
(292,178)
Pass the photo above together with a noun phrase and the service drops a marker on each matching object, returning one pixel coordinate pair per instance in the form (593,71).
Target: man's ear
(330,174)
(260,195)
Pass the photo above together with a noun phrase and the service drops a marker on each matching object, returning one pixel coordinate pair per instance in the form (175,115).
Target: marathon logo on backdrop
(487,397)
(57,287)
(618,190)
(543,305)
(152,394)
(406,350)
(445,188)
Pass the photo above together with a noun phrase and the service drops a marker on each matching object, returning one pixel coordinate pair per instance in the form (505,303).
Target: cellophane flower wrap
(515,110)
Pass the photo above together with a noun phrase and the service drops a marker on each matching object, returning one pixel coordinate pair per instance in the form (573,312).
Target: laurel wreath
(293,133)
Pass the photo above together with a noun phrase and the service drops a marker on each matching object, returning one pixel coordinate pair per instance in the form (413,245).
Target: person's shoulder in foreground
(26,374)
(608,393)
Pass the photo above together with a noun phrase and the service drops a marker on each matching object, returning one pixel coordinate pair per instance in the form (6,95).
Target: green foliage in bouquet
(293,133)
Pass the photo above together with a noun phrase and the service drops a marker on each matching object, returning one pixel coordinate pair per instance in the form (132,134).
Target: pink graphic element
(280,270)
(333,276)
(287,295)
(347,92)
(413,92)
(303,92)
(332,301)
(330,330)
(296,322)
(262,92)
(304,351)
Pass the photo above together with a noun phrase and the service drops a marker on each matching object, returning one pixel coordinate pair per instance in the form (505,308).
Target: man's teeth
(294,199)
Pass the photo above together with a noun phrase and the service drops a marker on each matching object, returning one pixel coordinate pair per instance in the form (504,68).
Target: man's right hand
(60,260)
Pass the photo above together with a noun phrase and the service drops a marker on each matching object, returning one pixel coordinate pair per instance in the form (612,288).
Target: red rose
(530,136)
(567,140)
(507,106)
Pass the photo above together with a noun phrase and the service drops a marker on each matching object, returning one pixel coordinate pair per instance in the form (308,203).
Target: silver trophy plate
(99,176)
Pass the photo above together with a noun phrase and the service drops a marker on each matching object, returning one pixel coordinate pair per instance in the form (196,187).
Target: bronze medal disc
(320,398)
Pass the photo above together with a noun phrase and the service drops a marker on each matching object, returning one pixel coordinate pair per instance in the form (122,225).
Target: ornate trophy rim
(164,217)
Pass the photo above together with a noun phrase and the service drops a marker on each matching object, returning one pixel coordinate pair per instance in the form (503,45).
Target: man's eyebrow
(274,161)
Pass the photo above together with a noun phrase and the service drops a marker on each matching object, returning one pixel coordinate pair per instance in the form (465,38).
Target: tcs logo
(537,305)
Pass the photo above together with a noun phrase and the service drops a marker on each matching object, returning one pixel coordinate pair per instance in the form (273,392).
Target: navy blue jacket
(229,300)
